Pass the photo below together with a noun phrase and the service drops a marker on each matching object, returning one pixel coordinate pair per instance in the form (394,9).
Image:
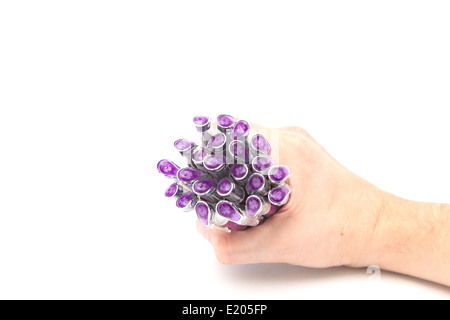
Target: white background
(93,94)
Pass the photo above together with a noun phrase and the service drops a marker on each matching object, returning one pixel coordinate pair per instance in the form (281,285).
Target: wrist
(365,209)
(408,239)
(381,241)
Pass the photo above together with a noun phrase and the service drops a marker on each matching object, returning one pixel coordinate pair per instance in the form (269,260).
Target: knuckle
(298,130)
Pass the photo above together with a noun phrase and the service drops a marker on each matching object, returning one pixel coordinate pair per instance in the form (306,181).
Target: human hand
(328,221)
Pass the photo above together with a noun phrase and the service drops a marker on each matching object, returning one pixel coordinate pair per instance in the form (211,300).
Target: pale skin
(336,218)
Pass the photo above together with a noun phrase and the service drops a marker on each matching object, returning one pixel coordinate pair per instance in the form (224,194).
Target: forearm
(413,238)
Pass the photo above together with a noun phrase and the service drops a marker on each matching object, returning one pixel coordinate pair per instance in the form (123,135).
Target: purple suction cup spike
(239,151)
(185,148)
(280,195)
(214,163)
(228,211)
(198,157)
(190,175)
(240,130)
(217,142)
(279,174)
(204,213)
(227,190)
(253,206)
(262,164)
(232,213)
(259,145)
(230,191)
(240,173)
(202,123)
(205,189)
(225,123)
(187,201)
(216,166)
(174,191)
(257,184)
(184,145)
(256,206)
(202,187)
(168,168)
